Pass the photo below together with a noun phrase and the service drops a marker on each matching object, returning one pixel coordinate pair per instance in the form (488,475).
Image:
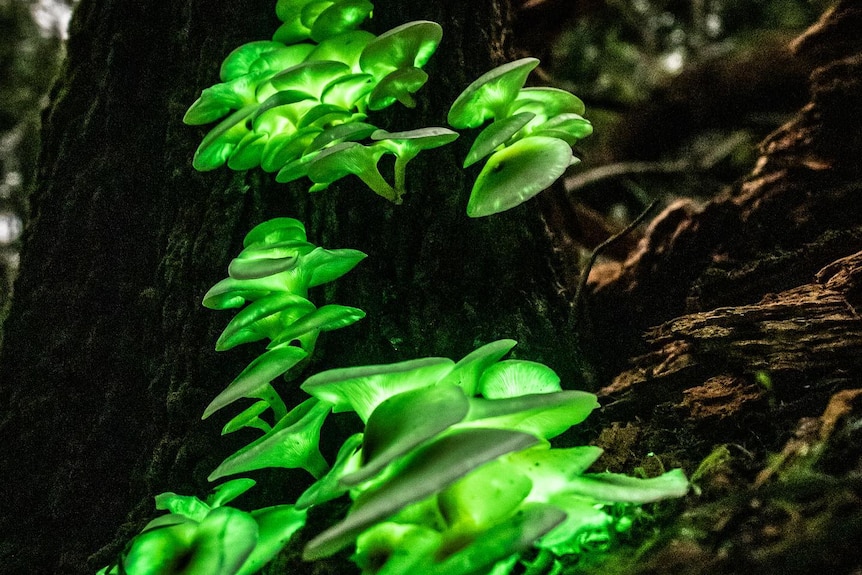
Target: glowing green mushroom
(254,381)
(276,525)
(275,231)
(484,497)
(544,415)
(517,173)
(217,146)
(404,421)
(340,17)
(568,127)
(349,158)
(218,545)
(424,471)
(362,389)
(292,443)
(490,95)
(265,318)
(467,372)
(496,134)
(397,86)
(409,45)
(329,486)
(310,77)
(546,102)
(515,377)
(345,48)
(407,145)
(349,91)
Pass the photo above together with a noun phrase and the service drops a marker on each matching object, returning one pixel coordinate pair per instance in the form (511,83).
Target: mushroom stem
(374,180)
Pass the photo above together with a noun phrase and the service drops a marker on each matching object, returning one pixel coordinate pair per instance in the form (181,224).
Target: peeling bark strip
(814,330)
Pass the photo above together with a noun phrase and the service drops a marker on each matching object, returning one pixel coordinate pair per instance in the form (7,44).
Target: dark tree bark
(734,332)
(108,360)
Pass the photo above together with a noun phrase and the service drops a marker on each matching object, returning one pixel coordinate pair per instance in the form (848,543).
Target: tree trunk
(108,359)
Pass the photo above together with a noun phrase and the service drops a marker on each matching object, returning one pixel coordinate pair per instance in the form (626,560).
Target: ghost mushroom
(407,145)
(490,95)
(409,45)
(517,173)
(346,158)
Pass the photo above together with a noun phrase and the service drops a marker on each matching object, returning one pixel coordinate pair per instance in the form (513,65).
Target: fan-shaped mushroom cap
(517,173)
(350,158)
(362,389)
(494,135)
(348,91)
(346,48)
(339,18)
(292,443)
(423,472)
(404,421)
(469,369)
(515,377)
(490,95)
(399,85)
(310,77)
(409,45)
(546,102)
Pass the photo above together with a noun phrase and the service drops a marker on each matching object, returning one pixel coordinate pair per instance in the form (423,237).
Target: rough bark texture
(734,332)
(108,360)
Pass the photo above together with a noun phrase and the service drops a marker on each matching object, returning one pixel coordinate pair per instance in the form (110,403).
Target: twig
(585,273)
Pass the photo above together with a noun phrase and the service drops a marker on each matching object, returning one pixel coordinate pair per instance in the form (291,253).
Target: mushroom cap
(247,153)
(409,45)
(402,143)
(350,132)
(286,9)
(263,319)
(398,85)
(325,318)
(362,389)
(469,369)
(309,77)
(514,377)
(258,374)
(490,95)
(546,102)
(240,59)
(348,91)
(568,127)
(345,47)
(275,231)
(285,148)
(292,443)
(544,415)
(342,159)
(495,134)
(218,100)
(274,61)
(220,142)
(485,496)
(423,472)
(405,421)
(339,18)
(517,173)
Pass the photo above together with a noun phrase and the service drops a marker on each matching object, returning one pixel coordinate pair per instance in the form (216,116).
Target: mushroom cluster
(450,471)
(529,142)
(454,474)
(272,274)
(297,104)
(208,536)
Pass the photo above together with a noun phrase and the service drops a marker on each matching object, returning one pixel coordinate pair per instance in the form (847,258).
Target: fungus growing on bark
(350,158)
(516,173)
(409,45)
(407,145)
(362,389)
(292,443)
(423,472)
(490,95)
(496,134)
